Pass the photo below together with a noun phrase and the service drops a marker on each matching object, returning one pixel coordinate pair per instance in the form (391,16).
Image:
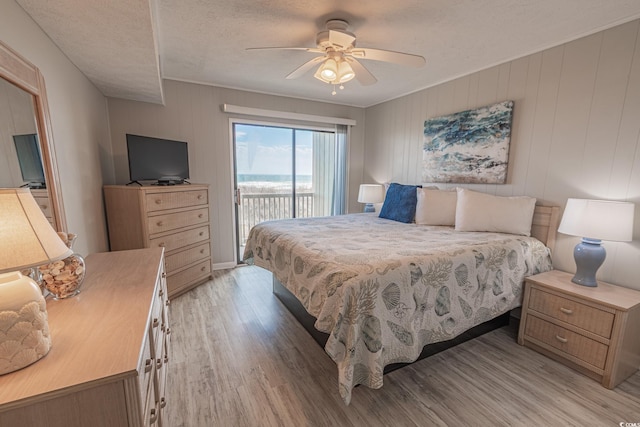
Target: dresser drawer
(576,345)
(178,199)
(45,205)
(145,370)
(167,222)
(188,276)
(180,259)
(180,239)
(583,316)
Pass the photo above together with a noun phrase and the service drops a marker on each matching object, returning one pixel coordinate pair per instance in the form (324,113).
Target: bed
(379,291)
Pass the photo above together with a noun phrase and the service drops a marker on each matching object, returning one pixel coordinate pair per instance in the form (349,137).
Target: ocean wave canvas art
(468,147)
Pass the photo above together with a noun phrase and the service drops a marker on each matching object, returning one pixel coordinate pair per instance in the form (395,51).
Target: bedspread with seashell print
(382,289)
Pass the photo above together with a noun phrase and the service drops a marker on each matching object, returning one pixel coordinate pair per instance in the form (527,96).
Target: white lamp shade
(27,237)
(598,219)
(371,193)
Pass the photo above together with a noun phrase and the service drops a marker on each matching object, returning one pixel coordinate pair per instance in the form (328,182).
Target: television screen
(28,151)
(157,159)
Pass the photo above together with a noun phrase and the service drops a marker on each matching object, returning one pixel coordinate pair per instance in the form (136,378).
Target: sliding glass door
(285,172)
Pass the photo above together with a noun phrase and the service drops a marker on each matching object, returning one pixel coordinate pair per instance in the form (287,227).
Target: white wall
(80,127)
(192,113)
(576,131)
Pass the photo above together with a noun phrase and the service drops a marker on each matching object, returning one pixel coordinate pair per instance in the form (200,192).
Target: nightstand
(593,330)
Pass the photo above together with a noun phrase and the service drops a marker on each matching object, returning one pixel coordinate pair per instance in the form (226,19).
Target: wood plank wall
(576,131)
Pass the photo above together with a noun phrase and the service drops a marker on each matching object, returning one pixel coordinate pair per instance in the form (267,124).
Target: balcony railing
(254,208)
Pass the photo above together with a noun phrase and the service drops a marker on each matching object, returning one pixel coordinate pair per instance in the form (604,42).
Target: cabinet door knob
(561,339)
(566,310)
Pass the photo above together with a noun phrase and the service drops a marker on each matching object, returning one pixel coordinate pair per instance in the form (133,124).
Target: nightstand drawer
(576,345)
(583,316)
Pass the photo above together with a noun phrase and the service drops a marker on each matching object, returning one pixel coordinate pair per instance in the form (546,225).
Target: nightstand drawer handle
(561,339)
(566,310)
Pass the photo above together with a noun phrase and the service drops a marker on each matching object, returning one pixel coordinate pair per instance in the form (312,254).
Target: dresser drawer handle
(158,364)
(200,216)
(163,402)
(156,322)
(203,268)
(161,244)
(168,331)
(166,359)
(153,417)
(561,339)
(148,365)
(199,196)
(159,223)
(201,233)
(158,201)
(201,251)
(566,310)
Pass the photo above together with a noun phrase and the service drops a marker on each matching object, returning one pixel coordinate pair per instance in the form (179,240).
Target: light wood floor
(239,358)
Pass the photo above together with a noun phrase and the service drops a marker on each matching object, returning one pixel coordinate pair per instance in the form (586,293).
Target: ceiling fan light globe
(345,72)
(328,75)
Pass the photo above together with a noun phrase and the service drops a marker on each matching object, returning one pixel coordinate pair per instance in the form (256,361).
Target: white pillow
(436,207)
(483,212)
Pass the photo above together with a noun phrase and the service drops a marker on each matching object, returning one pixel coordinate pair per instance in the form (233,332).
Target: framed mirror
(26,137)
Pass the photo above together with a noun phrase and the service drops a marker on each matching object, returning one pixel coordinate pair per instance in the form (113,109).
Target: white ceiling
(126,47)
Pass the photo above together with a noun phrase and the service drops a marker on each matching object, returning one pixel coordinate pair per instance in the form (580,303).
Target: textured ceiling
(126,47)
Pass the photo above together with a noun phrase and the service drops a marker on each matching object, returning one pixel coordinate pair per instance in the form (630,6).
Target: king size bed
(380,290)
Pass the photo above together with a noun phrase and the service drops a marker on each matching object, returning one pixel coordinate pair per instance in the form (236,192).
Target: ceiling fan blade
(340,39)
(389,56)
(308,49)
(299,72)
(362,74)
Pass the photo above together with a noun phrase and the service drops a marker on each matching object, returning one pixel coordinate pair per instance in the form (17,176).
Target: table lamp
(27,240)
(595,221)
(370,194)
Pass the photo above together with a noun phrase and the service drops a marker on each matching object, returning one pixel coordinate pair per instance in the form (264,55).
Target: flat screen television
(156,159)
(29,159)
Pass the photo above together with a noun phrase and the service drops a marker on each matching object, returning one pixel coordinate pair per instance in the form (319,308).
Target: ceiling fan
(339,59)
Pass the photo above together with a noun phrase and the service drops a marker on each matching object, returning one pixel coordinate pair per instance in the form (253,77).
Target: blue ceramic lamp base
(589,256)
(369,208)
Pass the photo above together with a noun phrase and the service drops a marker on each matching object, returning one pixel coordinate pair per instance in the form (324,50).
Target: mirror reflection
(21,163)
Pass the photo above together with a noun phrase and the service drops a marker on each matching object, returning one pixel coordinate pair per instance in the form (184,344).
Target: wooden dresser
(107,364)
(593,330)
(173,217)
(41,197)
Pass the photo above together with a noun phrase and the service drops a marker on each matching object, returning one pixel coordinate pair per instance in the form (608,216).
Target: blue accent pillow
(400,203)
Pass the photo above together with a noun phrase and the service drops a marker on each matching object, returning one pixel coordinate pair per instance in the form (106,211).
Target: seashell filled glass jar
(63,278)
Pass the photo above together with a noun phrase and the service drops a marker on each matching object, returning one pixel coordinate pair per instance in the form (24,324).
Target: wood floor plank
(239,358)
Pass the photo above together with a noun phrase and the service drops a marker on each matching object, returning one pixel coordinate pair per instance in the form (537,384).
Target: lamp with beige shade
(27,240)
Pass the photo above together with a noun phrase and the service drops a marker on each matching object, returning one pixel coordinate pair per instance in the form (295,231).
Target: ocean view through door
(285,172)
